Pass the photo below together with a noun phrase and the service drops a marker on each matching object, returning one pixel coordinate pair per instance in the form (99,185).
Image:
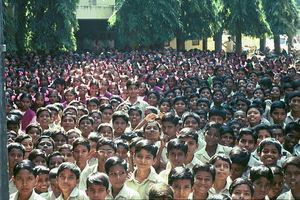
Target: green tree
(245,17)
(282,16)
(9,26)
(199,19)
(145,22)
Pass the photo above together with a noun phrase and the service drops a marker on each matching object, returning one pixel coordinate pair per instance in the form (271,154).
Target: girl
(180,105)
(164,105)
(69,95)
(26,141)
(153,98)
(254,115)
(152,131)
(104,84)
(39,101)
(29,115)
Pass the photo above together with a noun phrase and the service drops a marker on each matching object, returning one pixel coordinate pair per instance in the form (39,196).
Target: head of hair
(161,191)
(220,156)
(113,161)
(86,117)
(293,160)
(240,156)
(247,131)
(24,165)
(53,173)
(206,167)
(120,114)
(81,141)
(69,166)
(180,173)
(170,117)
(147,145)
(279,105)
(41,170)
(187,115)
(106,141)
(37,153)
(15,145)
(177,143)
(217,111)
(269,141)
(257,172)
(188,133)
(98,178)
(241,181)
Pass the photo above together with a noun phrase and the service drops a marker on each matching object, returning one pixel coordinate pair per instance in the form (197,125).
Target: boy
(135,116)
(85,125)
(291,169)
(144,175)
(181,179)
(107,112)
(161,191)
(55,190)
(294,103)
(261,178)
(247,139)
(81,149)
(43,182)
(43,117)
(120,121)
(278,112)
(97,186)
(116,168)
(105,148)
(204,177)
(16,153)
(239,157)
(212,137)
(269,151)
(25,179)
(176,153)
(105,130)
(93,104)
(217,114)
(68,178)
(191,139)
(292,136)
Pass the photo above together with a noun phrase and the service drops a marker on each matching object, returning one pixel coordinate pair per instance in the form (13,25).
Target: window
(195,42)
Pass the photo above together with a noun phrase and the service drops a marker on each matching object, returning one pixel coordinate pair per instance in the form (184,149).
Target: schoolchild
(81,149)
(43,182)
(277,185)
(239,157)
(97,186)
(269,151)
(241,188)
(120,121)
(85,125)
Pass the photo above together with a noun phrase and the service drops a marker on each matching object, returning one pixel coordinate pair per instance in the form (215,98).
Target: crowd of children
(152,124)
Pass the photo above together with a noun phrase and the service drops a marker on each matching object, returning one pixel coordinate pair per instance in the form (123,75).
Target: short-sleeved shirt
(76,194)
(125,193)
(143,187)
(286,196)
(84,175)
(12,187)
(203,156)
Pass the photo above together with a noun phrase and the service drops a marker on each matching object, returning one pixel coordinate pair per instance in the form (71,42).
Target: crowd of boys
(152,124)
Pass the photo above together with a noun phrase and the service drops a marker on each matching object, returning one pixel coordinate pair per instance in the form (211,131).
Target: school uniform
(76,194)
(84,176)
(125,193)
(191,195)
(143,187)
(289,118)
(203,156)
(12,187)
(225,190)
(286,196)
(33,196)
(139,103)
(193,163)
(165,173)
(48,195)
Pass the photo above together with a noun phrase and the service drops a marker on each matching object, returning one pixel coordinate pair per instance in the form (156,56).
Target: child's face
(15,156)
(106,132)
(55,161)
(247,142)
(262,134)
(97,192)
(222,169)
(182,188)
(203,106)
(291,139)
(67,181)
(27,143)
(203,181)
(192,145)
(122,152)
(134,117)
(68,123)
(227,140)
(152,132)
(295,104)
(237,170)
(59,140)
(253,116)
(34,133)
(67,154)
(180,106)
(191,122)
(46,146)
(106,115)
(25,182)
(217,119)
(133,91)
(105,152)
(119,126)
(261,188)
(212,137)
(86,127)
(169,129)
(92,106)
(176,157)
(278,115)
(143,159)
(72,137)
(278,135)
(276,187)
(241,192)
(44,118)
(269,155)
(117,176)
(81,153)
(54,186)
(43,183)
(39,161)
(292,177)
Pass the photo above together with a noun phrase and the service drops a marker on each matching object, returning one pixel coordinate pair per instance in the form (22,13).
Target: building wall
(95,9)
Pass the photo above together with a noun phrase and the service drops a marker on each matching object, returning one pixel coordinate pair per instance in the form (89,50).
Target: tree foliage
(43,25)
(146,22)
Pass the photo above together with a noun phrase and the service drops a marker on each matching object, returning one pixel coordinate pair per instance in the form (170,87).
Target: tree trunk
(21,28)
(180,44)
(218,40)
(262,44)
(204,43)
(238,46)
(277,44)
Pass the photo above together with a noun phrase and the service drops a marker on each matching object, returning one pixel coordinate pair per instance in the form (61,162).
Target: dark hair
(260,127)
(161,191)
(277,170)
(227,129)
(15,145)
(292,126)
(179,173)
(214,125)
(86,117)
(170,117)
(41,170)
(81,141)
(24,165)
(247,131)
(22,137)
(146,145)
(205,167)
(278,104)
(240,156)
(43,109)
(177,144)
(113,161)
(55,154)
(180,98)
(120,114)
(269,141)
(165,100)
(241,181)
(56,133)
(98,178)
(256,107)
(131,82)
(37,153)
(65,111)
(221,156)
(135,108)
(106,141)
(94,100)
(260,171)
(188,133)
(217,111)
(33,125)
(70,166)
(187,115)
(220,197)
(53,173)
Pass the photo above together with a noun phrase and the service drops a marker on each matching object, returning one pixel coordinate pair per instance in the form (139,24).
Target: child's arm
(149,117)
(157,161)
